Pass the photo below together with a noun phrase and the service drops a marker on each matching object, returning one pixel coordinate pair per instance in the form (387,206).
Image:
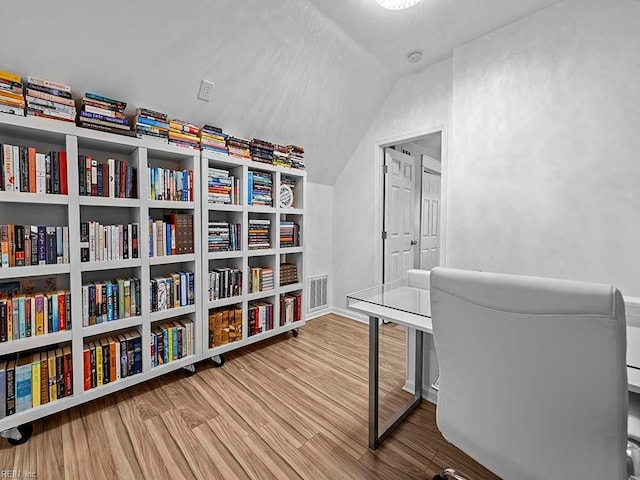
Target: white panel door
(399,211)
(430,222)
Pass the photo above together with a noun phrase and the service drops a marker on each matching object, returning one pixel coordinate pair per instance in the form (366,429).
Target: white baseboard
(428,393)
(318,313)
(343,312)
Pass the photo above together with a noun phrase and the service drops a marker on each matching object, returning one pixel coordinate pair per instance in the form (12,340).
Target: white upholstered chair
(533,381)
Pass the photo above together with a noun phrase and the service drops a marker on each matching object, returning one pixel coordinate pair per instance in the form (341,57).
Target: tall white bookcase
(246,258)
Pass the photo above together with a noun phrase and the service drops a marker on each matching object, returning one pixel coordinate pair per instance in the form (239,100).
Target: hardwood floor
(286,408)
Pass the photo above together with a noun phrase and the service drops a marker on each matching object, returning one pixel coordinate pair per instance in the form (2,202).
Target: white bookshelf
(48,135)
(69,210)
(245,258)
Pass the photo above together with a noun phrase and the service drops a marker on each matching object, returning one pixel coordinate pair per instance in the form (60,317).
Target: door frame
(378,194)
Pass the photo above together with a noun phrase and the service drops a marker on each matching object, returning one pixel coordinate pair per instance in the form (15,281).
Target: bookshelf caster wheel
(190,369)
(218,361)
(18,435)
(294,332)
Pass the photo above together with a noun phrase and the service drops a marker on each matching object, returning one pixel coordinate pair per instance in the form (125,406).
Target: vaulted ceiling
(309,72)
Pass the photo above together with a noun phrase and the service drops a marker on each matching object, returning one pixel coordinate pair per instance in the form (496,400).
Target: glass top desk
(404,305)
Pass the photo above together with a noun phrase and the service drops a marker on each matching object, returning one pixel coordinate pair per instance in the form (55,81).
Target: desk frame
(377,433)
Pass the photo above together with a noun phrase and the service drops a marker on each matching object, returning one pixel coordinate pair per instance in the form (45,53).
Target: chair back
(533,381)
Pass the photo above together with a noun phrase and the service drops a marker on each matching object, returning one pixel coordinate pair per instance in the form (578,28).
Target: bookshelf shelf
(292,287)
(171,313)
(182,362)
(13,346)
(110,265)
(261,252)
(224,302)
(166,259)
(112,326)
(292,211)
(40,198)
(34,271)
(109,202)
(252,339)
(221,255)
(287,250)
(220,207)
(171,205)
(260,295)
(255,209)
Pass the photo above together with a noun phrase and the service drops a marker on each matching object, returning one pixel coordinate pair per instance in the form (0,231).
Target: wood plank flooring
(286,408)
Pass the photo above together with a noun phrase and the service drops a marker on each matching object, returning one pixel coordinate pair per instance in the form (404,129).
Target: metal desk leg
(377,434)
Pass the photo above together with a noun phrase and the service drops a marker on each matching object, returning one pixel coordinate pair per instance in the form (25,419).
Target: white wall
(318,235)
(545,154)
(417,102)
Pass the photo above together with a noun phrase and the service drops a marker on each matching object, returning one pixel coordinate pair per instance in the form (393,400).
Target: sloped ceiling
(434,27)
(283,71)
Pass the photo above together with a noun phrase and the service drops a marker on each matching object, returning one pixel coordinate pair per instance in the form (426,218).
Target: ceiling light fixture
(397,4)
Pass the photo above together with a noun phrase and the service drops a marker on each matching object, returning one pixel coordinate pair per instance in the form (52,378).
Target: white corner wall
(545,153)
(318,231)
(417,102)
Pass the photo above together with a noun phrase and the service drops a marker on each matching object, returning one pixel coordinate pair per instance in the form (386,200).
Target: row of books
(223,236)
(172,291)
(23,169)
(24,316)
(35,379)
(261,279)
(27,245)
(172,185)
(213,139)
(225,326)
(260,318)
(44,98)
(288,273)
(222,188)
(111,179)
(111,300)
(290,308)
(259,234)
(171,341)
(105,114)
(184,134)
(104,243)
(110,358)
(289,234)
(260,189)
(224,282)
(171,236)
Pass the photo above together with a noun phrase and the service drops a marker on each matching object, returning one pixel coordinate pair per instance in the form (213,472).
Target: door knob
(414,242)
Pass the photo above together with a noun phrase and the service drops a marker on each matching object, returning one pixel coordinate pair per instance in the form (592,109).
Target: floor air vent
(318,292)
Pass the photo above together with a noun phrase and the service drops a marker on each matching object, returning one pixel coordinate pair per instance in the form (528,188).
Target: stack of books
(113,178)
(102,113)
(259,234)
(29,245)
(183,134)
(108,359)
(239,147)
(296,156)
(288,273)
(260,189)
(289,234)
(281,156)
(171,236)
(173,291)
(261,151)
(290,308)
(50,100)
(224,282)
(225,326)
(23,169)
(171,341)
(213,140)
(111,300)
(261,279)
(224,236)
(171,185)
(34,314)
(222,188)
(11,94)
(105,243)
(151,125)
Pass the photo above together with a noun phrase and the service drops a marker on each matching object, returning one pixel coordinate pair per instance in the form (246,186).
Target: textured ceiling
(435,27)
(283,71)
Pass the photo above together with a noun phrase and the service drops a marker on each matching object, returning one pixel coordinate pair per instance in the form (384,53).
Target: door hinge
(384,235)
(385,169)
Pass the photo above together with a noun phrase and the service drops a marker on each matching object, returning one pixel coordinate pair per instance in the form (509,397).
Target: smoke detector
(415,57)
